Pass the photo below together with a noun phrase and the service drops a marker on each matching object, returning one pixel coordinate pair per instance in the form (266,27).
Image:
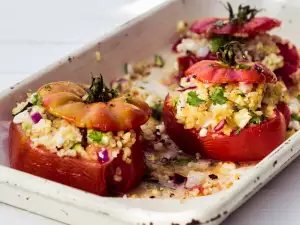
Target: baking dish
(132,42)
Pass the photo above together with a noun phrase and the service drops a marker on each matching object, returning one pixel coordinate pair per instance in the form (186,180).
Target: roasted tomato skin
(251,144)
(285,110)
(85,175)
(210,71)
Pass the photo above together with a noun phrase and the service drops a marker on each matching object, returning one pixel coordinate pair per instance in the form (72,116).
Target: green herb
(257,119)
(243,66)
(99,92)
(295,117)
(96,136)
(227,52)
(242,95)
(217,96)
(238,131)
(193,99)
(157,111)
(159,61)
(243,15)
(36,99)
(217,41)
(128,99)
(181,161)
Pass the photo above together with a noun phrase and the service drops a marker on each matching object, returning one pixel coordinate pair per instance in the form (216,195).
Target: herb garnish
(193,99)
(257,119)
(243,15)
(238,131)
(157,111)
(217,96)
(295,117)
(99,92)
(181,161)
(36,99)
(159,61)
(227,53)
(96,136)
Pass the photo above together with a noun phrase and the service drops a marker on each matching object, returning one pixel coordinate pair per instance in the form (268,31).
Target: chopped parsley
(36,99)
(217,96)
(242,95)
(243,66)
(257,119)
(193,99)
(238,131)
(219,40)
(295,117)
(96,136)
(157,111)
(181,161)
(159,61)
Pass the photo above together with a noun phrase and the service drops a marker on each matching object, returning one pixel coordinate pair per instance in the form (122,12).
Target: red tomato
(64,100)
(285,110)
(210,71)
(85,175)
(251,144)
(208,26)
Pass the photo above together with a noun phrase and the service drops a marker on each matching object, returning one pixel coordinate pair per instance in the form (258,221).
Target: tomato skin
(210,71)
(257,25)
(251,144)
(85,175)
(285,110)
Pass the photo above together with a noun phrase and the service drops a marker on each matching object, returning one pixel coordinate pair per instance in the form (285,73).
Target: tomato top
(216,72)
(101,111)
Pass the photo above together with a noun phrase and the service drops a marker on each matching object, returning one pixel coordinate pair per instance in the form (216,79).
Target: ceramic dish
(134,42)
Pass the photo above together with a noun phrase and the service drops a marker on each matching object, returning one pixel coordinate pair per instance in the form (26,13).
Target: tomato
(210,71)
(64,100)
(291,61)
(285,110)
(251,144)
(89,176)
(208,26)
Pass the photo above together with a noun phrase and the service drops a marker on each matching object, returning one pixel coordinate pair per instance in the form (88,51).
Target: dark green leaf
(99,92)
(157,111)
(193,99)
(217,96)
(181,161)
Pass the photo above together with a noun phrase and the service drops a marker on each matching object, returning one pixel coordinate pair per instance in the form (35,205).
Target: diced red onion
(187,88)
(178,179)
(36,117)
(103,156)
(220,126)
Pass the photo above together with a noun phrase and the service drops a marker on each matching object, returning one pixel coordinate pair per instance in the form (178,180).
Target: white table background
(34,33)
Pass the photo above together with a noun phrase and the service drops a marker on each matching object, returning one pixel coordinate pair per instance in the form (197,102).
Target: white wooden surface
(34,33)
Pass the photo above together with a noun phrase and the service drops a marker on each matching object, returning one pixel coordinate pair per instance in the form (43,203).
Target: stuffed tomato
(87,138)
(201,40)
(226,110)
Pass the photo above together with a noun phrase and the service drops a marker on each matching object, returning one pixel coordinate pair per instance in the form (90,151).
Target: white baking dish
(136,40)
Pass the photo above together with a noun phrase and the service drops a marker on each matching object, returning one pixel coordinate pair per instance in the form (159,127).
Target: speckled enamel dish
(151,34)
